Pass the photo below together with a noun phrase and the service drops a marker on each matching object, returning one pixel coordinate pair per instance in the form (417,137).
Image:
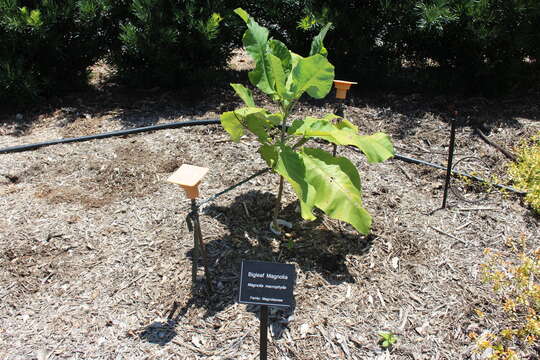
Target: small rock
(19,117)
(305,329)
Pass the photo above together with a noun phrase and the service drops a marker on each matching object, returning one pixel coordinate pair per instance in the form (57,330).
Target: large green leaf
(255,41)
(254,119)
(279,76)
(244,93)
(287,163)
(336,183)
(321,180)
(232,125)
(377,147)
(317,46)
(279,49)
(313,75)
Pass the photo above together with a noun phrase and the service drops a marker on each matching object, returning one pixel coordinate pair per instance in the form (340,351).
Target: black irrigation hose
(454,172)
(459,173)
(180,124)
(173,125)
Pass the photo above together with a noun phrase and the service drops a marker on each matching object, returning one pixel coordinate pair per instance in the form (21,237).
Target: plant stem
(277,206)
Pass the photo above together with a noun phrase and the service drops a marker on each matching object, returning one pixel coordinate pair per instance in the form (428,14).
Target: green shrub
(47,46)
(367,39)
(170,43)
(525,173)
(478,45)
(482,44)
(514,312)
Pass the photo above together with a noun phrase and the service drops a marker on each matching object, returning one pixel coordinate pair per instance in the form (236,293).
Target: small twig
(464,226)
(325,336)
(245,209)
(506,153)
(445,233)
(404,173)
(193,348)
(475,209)
(128,285)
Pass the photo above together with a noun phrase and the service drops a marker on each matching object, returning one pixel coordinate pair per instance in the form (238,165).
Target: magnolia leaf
(244,93)
(243,14)
(313,75)
(287,163)
(295,59)
(336,183)
(269,153)
(274,119)
(377,147)
(292,168)
(235,121)
(317,46)
(255,41)
(343,124)
(279,76)
(262,77)
(279,49)
(232,125)
(257,124)
(311,127)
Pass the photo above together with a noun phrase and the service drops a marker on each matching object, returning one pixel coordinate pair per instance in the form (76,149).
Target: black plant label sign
(266,283)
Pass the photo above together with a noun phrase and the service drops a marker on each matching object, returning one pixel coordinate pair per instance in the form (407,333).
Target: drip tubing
(180,124)
(173,125)
(454,172)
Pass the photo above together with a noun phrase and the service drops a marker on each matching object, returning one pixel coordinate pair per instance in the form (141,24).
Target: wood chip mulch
(95,255)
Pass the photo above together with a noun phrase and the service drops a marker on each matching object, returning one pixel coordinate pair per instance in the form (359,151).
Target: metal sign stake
(266,284)
(264,333)
(449,164)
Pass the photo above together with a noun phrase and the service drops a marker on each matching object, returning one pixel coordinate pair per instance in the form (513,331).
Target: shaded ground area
(95,255)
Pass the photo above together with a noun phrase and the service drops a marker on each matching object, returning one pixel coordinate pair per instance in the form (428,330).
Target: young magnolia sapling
(319,179)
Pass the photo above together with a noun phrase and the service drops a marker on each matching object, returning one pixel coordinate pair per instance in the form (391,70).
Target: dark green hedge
(170,43)
(46,46)
(477,45)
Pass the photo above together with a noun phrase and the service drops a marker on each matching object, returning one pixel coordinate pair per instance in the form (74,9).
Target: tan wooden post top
(188,177)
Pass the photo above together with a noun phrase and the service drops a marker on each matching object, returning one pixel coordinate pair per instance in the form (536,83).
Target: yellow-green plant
(319,179)
(387,339)
(515,278)
(526,171)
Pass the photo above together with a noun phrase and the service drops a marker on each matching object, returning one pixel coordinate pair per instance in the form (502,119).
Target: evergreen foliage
(169,43)
(477,45)
(47,46)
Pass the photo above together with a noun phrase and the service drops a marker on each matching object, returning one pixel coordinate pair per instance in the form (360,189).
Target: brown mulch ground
(94,251)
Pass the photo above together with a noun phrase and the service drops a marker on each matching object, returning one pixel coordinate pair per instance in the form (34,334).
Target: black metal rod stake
(449,164)
(264,333)
(195,256)
(199,248)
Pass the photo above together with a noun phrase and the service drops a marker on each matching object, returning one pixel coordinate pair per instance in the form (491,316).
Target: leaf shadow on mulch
(319,251)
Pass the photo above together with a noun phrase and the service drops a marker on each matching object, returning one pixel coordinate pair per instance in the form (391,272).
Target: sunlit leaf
(336,184)
(317,46)
(313,75)
(244,93)
(377,147)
